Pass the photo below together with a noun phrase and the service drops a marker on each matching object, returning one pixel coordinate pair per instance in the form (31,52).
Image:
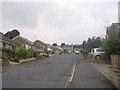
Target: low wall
(114,70)
(26,60)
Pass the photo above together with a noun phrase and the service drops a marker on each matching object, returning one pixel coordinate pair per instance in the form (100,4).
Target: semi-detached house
(37,45)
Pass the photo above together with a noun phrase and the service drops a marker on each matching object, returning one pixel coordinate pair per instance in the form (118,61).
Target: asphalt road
(54,73)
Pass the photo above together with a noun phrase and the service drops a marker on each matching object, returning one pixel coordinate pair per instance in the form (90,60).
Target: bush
(111,47)
(4,60)
(15,59)
(30,53)
(22,53)
(40,54)
(7,53)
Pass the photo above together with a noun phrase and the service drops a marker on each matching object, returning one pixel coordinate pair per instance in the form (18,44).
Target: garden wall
(114,70)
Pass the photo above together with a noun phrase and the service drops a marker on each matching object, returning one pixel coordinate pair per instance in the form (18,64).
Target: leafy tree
(76,46)
(97,42)
(54,44)
(84,44)
(12,34)
(111,44)
(91,43)
(62,44)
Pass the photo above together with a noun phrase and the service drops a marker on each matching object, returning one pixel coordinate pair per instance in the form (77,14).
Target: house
(6,43)
(57,49)
(67,47)
(49,48)
(21,41)
(114,31)
(39,46)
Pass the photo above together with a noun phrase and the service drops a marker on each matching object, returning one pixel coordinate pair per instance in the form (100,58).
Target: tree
(111,44)
(89,44)
(93,42)
(84,44)
(76,46)
(12,34)
(62,44)
(54,44)
(97,42)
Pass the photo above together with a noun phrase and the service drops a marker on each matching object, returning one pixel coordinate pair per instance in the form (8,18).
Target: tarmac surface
(53,72)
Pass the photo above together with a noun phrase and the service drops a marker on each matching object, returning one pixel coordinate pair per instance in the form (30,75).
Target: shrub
(7,53)
(40,54)
(5,50)
(111,47)
(22,52)
(4,60)
(14,59)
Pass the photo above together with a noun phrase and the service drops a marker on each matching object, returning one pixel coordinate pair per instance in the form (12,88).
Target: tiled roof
(37,43)
(21,40)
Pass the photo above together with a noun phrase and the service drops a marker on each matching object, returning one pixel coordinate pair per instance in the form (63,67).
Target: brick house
(114,29)
(39,46)
(21,41)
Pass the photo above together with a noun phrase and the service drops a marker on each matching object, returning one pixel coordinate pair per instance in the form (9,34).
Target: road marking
(73,71)
(71,75)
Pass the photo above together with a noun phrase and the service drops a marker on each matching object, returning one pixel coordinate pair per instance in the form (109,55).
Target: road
(64,71)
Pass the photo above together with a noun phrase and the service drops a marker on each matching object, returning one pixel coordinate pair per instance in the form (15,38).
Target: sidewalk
(103,68)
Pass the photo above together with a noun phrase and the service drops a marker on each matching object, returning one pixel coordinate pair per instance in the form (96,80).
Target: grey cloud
(23,14)
(59,22)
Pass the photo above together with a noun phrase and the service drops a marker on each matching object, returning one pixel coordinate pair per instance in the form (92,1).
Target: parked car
(77,52)
(97,52)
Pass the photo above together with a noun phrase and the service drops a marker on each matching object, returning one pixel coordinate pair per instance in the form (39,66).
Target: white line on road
(73,71)
(71,75)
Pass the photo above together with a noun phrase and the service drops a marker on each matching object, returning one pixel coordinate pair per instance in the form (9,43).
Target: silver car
(97,52)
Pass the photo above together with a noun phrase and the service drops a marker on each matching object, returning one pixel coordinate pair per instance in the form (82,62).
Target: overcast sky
(69,21)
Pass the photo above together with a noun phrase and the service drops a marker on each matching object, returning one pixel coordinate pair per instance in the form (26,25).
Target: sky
(58,21)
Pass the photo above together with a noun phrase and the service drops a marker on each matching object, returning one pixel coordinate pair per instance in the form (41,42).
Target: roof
(22,38)
(6,39)
(38,43)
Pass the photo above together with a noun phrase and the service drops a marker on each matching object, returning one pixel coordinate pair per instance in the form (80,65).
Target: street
(54,72)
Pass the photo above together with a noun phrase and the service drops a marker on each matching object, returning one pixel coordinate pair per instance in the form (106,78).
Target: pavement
(103,68)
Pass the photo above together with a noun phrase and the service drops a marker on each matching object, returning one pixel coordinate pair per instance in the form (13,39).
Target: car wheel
(97,57)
